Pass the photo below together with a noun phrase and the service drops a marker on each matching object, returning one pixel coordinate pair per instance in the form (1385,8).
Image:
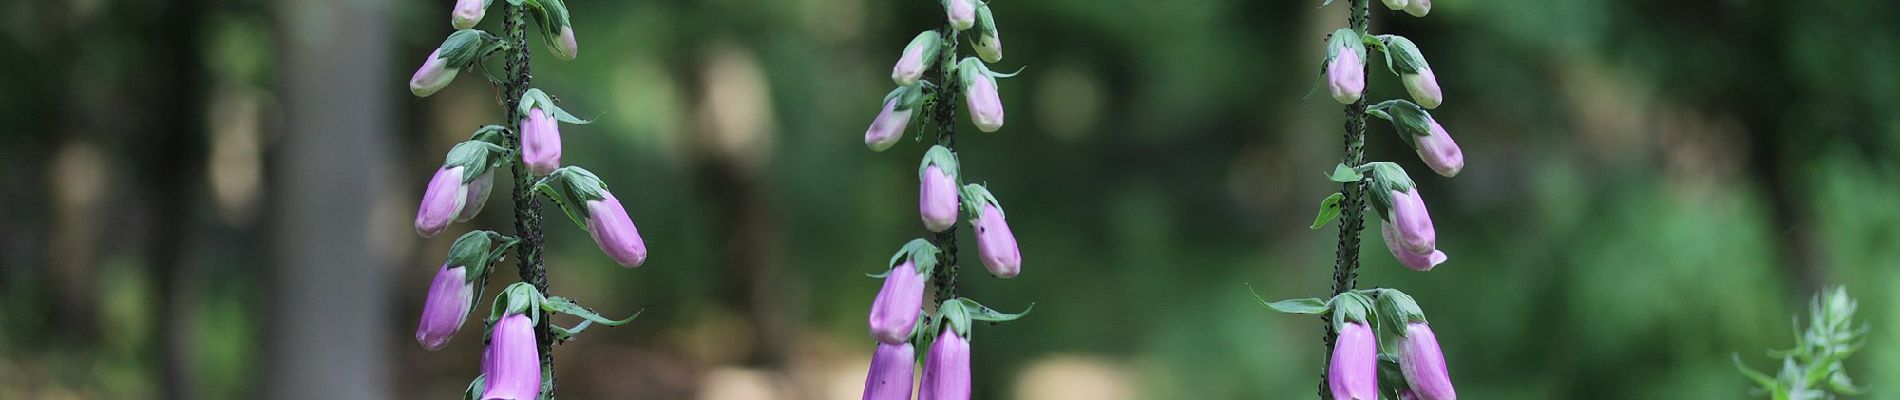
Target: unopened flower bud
(947,370)
(511,367)
(1416,262)
(918,56)
(996,244)
(1423,85)
(451,296)
(442,201)
(435,74)
(986,107)
(566,48)
(889,125)
(468,13)
(937,199)
(1395,5)
(962,13)
(613,230)
(540,142)
(1440,152)
(1353,373)
(1413,223)
(1346,76)
(892,368)
(1418,8)
(477,196)
(894,313)
(1423,364)
(989,40)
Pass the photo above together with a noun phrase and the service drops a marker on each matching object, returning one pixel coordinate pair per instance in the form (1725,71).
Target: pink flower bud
(1415,232)
(512,366)
(986,108)
(892,367)
(888,127)
(567,47)
(468,13)
(947,370)
(996,244)
(1424,364)
(450,297)
(1418,262)
(1395,5)
(894,313)
(1354,371)
(442,201)
(962,13)
(1423,85)
(613,230)
(1418,8)
(435,74)
(1346,76)
(540,143)
(937,199)
(911,66)
(1440,152)
(477,196)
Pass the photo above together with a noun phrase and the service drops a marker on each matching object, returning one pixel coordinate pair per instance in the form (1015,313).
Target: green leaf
(1763,380)
(980,312)
(1344,174)
(562,334)
(1328,210)
(568,306)
(1299,306)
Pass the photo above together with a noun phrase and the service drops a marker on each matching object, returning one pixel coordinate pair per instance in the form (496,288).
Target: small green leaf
(568,306)
(1344,174)
(1299,306)
(1766,382)
(980,312)
(563,334)
(1328,210)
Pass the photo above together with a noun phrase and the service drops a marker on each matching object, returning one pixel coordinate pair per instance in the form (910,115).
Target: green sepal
(519,298)
(908,97)
(960,311)
(491,134)
(1350,307)
(476,251)
(1402,56)
(1391,376)
(1396,310)
(568,306)
(474,391)
(922,254)
(475,157)
(1408,119)
(551,16)
(570,188)
(943,158)
(563,334)
(975,196)
(1297,306)
(932,44)
(465,46)
(1344,174)
(1328,210)
(1387,177)
(1343,39)
(536,98)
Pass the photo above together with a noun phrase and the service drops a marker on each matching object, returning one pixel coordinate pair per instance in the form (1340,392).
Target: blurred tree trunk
(171,159)
(328,325)
(1777,156)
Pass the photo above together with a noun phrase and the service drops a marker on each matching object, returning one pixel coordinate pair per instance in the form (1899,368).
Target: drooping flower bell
(918,56)
(895,311)
(540,142)
(937,198)
(1423,364)
(442,201)
(451,295)
(1437,150)
(613,230)
(436,73)
(1346,76)
(962,13)
(511,368)
(892,368)
(888,127)
(565,47)
(468,13)
(1353,373)
(1422,84)
(947,368)
(478,191)
(1413,223)
(996,244)
(1418,262)
(986,106)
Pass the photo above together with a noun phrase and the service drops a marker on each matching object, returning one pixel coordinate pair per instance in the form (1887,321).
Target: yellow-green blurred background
(211,199)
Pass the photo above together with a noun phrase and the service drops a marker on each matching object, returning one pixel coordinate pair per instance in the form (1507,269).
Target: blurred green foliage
(1651,187)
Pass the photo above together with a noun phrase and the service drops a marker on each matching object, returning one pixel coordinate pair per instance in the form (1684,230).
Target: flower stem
(1352,206)
(943,111)
(527,205)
